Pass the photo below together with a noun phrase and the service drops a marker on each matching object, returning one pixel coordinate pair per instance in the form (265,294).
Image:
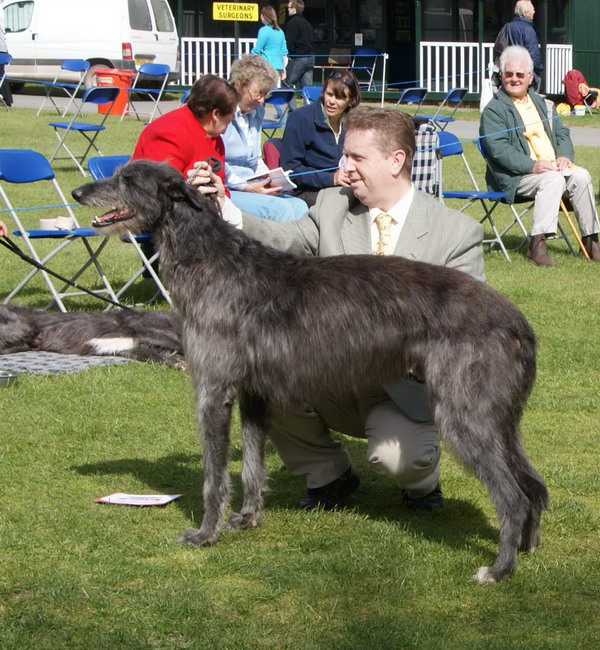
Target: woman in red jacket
(193,132)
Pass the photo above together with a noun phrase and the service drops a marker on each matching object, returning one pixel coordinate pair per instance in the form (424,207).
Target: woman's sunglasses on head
(338,74)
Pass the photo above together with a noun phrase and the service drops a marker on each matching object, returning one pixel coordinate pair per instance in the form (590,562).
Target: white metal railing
(215,55)
(445,65)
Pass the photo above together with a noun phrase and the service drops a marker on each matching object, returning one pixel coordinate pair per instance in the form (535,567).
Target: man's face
(371,172)
(515,78)
(291,9)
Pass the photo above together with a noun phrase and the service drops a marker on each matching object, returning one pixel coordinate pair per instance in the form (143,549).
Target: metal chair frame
(24,166)
(155,70)
(455,97)
(79,66)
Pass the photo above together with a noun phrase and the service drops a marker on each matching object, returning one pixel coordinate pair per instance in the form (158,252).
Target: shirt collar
(398,211)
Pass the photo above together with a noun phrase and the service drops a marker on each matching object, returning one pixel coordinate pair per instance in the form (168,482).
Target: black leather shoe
(427,502)
(330,496)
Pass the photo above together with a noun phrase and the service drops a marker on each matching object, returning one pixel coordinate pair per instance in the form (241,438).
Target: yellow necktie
(384,225)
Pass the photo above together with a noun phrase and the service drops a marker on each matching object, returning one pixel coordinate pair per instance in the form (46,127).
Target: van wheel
(90,76)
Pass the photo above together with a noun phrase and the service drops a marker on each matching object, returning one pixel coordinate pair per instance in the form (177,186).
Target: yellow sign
(235,11)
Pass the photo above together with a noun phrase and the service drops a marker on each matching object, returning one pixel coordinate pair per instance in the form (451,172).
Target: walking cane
(563,207)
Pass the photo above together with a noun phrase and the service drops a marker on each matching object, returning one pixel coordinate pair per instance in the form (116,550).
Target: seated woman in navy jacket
(313,140)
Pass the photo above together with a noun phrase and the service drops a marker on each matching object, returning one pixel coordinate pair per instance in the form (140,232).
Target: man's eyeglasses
(519,75)
(338,74)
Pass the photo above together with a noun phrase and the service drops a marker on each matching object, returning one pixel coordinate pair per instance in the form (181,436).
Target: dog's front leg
(214,419)
(254,423)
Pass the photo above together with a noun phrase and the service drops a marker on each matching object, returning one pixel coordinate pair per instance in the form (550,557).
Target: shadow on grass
(460,523)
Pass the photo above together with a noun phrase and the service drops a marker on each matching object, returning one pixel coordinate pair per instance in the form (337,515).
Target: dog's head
(141,195)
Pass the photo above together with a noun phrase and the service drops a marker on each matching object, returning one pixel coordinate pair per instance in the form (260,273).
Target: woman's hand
(202,177)
(3,229)
(341,177)
(262,187)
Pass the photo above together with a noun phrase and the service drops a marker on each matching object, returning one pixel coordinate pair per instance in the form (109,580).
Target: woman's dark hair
(343,84)
(211,93)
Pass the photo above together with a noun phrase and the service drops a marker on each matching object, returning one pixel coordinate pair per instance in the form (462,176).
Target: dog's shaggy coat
(262,325)
(141,335)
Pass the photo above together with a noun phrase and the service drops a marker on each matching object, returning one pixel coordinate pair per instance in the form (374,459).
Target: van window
(162,16)
(17,16)
(139,15)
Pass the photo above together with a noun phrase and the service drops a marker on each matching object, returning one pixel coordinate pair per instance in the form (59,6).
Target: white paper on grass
(123,499)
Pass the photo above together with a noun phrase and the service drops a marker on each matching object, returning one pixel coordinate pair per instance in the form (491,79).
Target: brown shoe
(592,246)
(538,253)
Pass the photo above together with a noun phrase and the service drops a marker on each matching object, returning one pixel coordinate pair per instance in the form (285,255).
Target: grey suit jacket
(339,225)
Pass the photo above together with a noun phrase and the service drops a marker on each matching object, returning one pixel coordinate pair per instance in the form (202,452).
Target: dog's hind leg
(253,413)
(214,418)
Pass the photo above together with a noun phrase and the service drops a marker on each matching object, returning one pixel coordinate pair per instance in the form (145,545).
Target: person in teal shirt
(271,43)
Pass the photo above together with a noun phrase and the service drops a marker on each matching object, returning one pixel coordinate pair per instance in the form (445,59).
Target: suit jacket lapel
(411,242)
(356,231)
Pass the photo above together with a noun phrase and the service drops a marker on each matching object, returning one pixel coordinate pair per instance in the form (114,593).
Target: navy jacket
(309,144)
(521,31)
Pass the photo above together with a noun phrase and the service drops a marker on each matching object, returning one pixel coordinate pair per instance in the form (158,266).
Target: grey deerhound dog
(264,326)
(140,335)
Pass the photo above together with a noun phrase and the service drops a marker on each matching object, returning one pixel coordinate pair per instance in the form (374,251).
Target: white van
(41,34)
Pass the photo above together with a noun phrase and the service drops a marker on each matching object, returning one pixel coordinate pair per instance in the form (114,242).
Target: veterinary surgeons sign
(235,11)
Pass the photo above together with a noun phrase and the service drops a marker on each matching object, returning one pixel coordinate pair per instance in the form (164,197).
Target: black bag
(501,43)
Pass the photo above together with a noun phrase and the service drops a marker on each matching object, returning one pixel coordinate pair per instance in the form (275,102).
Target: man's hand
(542,166)
(564,164)
(3,229)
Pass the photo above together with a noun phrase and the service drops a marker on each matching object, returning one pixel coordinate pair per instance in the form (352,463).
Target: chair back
(185,95)
(311,94)
(75,65)
(105,166)
(24,166)
(100,95)
(154,69)
(279,97)
(449,144)
(414,96)
(271,152)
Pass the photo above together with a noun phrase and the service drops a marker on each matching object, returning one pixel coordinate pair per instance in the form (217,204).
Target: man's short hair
(523,8)
(298,5)
(393,129)
(515,52)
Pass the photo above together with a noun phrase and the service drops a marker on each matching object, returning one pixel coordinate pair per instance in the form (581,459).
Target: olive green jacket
(507,150)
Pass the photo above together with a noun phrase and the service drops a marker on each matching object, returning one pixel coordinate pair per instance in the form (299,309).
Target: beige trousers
(549,188)
(406,450)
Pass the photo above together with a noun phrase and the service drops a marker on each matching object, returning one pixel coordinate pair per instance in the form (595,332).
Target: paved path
(464,130)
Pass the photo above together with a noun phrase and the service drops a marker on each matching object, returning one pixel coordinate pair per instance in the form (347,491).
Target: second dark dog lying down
(140,335)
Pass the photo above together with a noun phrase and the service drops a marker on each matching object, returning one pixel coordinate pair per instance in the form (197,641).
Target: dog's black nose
(77,193)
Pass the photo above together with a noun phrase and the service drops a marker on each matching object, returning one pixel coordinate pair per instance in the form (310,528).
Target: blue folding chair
(97,95)
(364,60)
(24,166)
(454,97)
(104,167)
(414,96)
(311,94)
(70,67)
(280,99)
(158,75)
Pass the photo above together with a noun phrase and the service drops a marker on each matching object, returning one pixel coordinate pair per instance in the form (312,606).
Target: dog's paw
(193,537)
(484,575)
(244,521)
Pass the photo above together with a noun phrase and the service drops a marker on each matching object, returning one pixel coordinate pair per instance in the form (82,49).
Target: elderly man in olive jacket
(530,155)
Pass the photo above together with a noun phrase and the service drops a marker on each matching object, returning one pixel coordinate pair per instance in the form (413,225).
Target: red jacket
(179,139)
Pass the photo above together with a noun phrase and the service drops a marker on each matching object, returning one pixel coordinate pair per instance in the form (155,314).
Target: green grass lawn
(77,574)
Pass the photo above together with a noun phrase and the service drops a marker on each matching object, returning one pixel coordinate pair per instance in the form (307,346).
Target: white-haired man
(531,155)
